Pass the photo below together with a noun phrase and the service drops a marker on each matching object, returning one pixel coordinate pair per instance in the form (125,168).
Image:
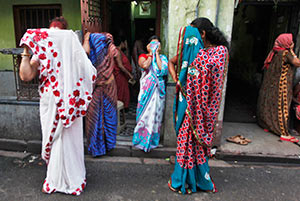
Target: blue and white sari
(151,103)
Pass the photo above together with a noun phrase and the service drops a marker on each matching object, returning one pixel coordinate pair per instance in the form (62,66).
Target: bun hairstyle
(213,34)
(59,22)
(153,38)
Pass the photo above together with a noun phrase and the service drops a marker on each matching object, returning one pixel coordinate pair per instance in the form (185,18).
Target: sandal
(246,139)
(238,139)
(188,191)
(289,139)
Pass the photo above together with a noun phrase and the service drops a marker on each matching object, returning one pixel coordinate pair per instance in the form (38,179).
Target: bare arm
(295,61)
(158,60)
(171,65)
(121,66)
(28,68)
(126,49)
(86,43)
(145,63)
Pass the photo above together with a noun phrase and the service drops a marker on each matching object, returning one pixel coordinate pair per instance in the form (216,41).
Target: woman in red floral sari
(203,92)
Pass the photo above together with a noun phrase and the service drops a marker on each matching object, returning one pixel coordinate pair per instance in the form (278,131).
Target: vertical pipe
(197,9)
(217,13)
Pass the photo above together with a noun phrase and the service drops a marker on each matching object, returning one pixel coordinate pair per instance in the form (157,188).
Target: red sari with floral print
(204,91)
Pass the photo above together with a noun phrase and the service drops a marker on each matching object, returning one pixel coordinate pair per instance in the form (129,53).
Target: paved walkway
(141,179)
(263,143)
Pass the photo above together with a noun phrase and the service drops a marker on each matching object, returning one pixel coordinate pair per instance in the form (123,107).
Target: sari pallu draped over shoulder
(66,78)
(189,43)
(151,101)
(69,74)
(205,81)
(101,119)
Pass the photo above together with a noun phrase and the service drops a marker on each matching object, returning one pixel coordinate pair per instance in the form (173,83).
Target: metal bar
(49,17)
(43,17)
(37,18)
(25,21)
(31,21)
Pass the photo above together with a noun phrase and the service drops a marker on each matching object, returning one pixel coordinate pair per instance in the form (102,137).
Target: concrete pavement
(140,179)
(265,146)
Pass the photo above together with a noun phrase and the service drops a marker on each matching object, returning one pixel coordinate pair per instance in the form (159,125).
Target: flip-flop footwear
(237,139)
(171,188)
(289,139)
(246,139)
(188,191)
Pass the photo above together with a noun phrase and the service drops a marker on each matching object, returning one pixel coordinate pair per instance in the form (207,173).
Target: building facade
(20,118)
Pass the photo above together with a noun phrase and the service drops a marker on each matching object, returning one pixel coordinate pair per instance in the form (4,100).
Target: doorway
(255,28)
(131,21)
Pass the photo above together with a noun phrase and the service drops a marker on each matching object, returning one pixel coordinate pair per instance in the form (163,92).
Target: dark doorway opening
(127,22)
(256,26)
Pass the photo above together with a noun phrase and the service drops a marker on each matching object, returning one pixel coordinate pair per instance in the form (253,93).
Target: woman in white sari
(66,78)
(151,99)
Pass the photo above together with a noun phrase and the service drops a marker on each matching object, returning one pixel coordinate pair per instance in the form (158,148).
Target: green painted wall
(70,10)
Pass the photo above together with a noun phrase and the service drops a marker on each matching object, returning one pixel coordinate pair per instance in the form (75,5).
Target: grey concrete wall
(7,83)
(20,120)
(169,138)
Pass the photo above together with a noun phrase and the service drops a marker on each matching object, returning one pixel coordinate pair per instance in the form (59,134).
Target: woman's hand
(87,36)
(86,43)
(26,50)
(292,46)
(28,68)
(149,49)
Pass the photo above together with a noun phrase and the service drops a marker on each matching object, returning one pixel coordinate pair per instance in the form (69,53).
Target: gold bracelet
(25,55)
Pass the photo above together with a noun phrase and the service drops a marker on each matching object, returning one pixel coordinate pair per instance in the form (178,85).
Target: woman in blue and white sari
(151,99)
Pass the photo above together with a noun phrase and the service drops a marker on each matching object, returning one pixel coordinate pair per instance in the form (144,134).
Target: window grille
(26,17)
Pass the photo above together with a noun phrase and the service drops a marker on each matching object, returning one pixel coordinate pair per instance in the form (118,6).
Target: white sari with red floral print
(66,78)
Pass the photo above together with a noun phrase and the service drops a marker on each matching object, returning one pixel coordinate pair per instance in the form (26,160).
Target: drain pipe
(197,9)
(217,13)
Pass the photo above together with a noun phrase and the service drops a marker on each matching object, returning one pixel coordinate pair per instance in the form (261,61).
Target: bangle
(25,55)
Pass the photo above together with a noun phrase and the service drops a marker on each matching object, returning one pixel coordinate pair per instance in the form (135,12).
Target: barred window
(25,17)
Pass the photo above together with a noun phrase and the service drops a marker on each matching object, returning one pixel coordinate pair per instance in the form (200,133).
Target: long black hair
(213,34)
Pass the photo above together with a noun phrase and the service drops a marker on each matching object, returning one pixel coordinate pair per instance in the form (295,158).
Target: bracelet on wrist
(25,55)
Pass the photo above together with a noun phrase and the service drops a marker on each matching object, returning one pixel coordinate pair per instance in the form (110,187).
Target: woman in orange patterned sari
(276,91)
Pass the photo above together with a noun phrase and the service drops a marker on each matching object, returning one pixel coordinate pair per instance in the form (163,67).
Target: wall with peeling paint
(183,12)
(178,13)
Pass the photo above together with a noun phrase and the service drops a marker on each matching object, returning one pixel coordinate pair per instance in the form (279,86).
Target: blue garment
(197,177)
(150,107)
(189,49)
(101,118)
